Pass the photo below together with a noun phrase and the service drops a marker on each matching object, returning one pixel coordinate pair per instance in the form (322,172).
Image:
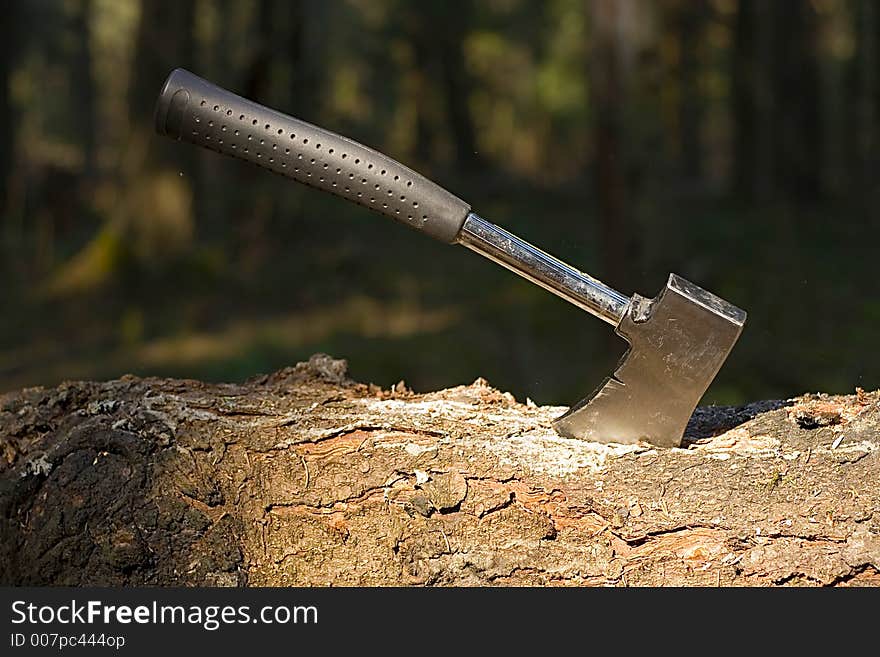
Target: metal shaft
(552,274)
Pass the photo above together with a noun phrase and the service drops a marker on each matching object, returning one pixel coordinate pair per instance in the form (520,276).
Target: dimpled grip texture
(194,110)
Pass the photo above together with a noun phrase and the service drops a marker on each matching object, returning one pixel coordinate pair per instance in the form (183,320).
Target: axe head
(678,342)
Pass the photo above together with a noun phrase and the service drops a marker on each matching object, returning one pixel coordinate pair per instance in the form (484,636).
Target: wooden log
(304,477)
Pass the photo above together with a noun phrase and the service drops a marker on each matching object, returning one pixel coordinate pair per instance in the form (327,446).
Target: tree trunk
(607,77)
(304,477)
(690,22)
(797,121)
(866,97)
(284,72)
(453,21)
(9,42)
(752,102)
(419,31)
(157,211)
(84,86)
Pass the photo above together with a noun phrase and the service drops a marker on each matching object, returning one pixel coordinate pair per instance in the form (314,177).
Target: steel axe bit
(678,340)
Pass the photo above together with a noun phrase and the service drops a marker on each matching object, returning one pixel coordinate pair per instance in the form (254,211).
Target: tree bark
(304,477)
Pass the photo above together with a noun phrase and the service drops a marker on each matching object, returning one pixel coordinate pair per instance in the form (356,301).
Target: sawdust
(522,435)
(740,441)
(815,411)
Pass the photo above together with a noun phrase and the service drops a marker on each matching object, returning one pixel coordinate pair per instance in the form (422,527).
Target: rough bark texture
(306,478)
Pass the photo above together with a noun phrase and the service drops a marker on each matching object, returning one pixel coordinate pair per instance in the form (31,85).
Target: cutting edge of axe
(677,341)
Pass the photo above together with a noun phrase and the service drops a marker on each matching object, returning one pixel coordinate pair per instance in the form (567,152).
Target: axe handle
(542,269)
(194,110)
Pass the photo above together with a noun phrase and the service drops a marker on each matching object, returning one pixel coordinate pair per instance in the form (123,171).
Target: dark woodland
(732,142)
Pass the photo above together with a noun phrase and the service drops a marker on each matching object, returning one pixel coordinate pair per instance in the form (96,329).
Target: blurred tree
(304,50)
(421,35)
(285,69)
(157,208)
(607,71)
(151,222)
(259,68)
(752,100)
(9,43)
(450,28)
(777,101)
(797,111)
(866,96)
(82,76)
(690,21)
(164,40)
(436,34)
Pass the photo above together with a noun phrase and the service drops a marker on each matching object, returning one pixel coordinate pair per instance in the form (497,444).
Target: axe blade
(678,342)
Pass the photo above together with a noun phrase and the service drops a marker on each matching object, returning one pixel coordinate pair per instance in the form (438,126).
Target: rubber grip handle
(194,110)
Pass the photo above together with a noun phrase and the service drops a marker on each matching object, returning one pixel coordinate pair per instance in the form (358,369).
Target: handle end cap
(172,103)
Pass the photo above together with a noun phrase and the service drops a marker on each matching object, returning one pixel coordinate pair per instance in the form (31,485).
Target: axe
(677,341)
